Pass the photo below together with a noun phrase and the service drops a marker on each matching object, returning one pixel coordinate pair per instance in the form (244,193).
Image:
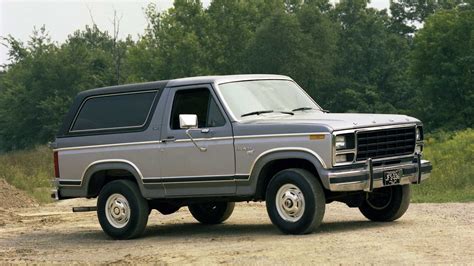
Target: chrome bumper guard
(369,177)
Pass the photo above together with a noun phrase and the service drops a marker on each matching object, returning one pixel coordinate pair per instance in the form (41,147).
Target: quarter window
(199,102)
(110,112)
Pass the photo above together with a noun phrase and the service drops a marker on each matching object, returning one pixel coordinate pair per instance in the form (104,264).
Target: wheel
(166,208)
(295,201)
(121,209)
(387,203)
(212,212)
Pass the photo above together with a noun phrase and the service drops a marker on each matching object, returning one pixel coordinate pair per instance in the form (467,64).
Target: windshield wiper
(265,112)
(257,113)
(302,109)
(308,108)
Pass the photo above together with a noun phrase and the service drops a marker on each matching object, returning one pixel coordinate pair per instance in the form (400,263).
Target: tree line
(416,58)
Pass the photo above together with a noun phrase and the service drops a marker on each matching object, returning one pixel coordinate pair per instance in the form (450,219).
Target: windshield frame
(230,112)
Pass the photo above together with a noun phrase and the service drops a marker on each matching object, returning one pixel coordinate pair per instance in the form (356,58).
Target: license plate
(392,177)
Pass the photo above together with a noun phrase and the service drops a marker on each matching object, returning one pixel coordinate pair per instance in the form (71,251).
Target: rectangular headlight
(340,142)
(419,133)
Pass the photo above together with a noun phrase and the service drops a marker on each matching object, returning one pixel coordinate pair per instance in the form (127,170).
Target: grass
(29,170)
(452,179)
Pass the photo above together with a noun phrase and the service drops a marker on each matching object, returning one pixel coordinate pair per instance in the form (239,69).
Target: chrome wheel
(290,203)
(117,210)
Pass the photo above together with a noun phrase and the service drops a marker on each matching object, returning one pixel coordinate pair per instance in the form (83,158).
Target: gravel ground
(428,233)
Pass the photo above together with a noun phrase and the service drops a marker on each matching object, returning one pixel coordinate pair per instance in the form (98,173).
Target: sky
(63,17)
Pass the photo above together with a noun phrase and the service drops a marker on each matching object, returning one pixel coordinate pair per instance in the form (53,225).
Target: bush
(452,179)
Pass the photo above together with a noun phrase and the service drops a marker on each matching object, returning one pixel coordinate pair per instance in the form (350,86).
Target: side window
(199,102)
(110,112)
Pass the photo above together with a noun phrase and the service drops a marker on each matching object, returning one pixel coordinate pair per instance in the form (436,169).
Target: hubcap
(117,210)
(290,203)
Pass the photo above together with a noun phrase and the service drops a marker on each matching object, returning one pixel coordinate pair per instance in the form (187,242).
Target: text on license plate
(392,177)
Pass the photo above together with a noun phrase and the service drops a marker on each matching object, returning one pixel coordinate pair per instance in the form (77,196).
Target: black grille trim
(385,143)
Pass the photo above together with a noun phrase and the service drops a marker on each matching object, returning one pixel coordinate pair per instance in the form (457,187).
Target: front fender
(256,181)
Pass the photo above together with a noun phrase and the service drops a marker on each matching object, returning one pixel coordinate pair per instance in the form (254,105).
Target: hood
(333,121)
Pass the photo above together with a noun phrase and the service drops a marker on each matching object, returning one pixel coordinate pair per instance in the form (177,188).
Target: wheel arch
(99,173)
(273,161)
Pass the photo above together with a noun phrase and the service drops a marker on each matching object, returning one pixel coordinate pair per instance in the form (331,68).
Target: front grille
(385,143)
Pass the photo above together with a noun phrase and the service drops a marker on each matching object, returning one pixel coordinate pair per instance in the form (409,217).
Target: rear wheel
(212,212)
(387,203)
(295,201)
(121,209)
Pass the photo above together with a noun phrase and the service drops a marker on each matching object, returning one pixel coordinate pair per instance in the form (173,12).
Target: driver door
(185,169)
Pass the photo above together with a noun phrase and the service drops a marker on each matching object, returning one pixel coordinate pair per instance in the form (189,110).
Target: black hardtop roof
(124,88)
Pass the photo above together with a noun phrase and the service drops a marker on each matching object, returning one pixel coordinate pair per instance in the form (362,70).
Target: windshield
(262,96)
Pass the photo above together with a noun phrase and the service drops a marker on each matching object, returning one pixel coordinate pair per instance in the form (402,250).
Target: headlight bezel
(419,139)
(348,140)
(343,147)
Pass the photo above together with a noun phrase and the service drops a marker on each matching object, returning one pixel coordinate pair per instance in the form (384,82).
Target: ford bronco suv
(208,142)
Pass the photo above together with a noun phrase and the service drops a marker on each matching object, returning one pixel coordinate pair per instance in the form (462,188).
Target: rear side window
(109,112)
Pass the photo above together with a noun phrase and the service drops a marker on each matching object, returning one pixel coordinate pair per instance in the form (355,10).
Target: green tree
(371,61)
(301,43)
(407,14)
(232,26)
(442,66)
(180,39)
(44,77)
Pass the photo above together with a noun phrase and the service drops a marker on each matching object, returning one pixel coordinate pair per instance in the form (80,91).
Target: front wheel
(121,209)
(295,201)
(387,203)
(212,212)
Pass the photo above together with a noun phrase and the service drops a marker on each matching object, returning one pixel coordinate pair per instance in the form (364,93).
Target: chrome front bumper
(369,177)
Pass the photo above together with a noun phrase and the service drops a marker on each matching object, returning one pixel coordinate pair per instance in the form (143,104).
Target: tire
(386,204)
(295,187)
(213,212)
(132,209)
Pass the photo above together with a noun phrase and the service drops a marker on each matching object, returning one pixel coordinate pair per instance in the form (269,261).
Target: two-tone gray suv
(207,142)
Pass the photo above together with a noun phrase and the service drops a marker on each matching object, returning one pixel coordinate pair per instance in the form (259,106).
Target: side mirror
(187,121)
(190,122)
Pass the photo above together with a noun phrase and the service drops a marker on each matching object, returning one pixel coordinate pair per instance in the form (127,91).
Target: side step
(84,209)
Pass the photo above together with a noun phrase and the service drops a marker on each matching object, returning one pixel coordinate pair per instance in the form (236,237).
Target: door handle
(169,139)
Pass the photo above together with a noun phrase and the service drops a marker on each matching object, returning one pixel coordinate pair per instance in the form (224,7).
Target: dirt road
(428,233)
